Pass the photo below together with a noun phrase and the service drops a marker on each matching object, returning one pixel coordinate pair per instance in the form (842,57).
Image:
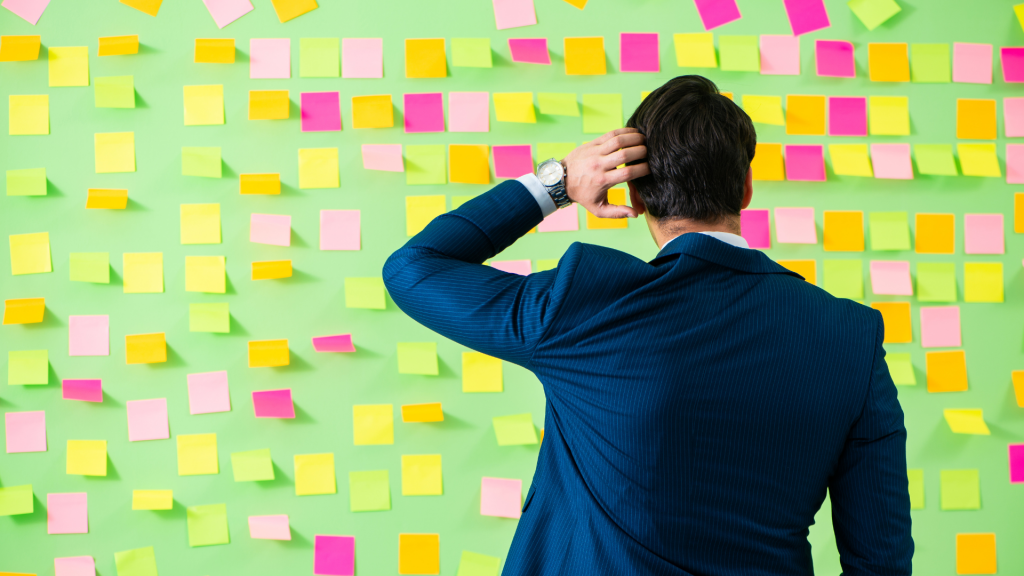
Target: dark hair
(699,148)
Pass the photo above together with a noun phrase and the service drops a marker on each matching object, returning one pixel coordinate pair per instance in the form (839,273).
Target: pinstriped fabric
(698,406)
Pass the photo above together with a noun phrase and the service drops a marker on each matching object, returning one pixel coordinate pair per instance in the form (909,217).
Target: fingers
(620,157)
(621,141)
(613,211)
(625,174)
(614,133)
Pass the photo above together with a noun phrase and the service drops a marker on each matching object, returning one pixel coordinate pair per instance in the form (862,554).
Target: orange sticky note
(271,269)
(425,58)
(946,371)
(805,115)
(844,231)
(585,56)
(145,348)
(896,318)
(19,48)
(113,199)
(373,111)
(119,45)
(469,164)
(259,184)
(888,62)
(806,268)
(615,196)
(24,310)
(934,233)
(215,50)
(1018,212)
(150,7)
(289,9)
(268,353)
(975,119)
(767,163)
(419,553)
(268,104)
(422,412)
(1018,386)
(976,553)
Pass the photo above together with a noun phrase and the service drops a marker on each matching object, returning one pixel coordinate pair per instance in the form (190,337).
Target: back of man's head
(699,148)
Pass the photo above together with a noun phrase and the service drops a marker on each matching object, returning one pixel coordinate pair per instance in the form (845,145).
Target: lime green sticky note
(26,182)
(515,430)
(930,63)
(369,491)
(901,370)
(915,483)
(872,13)
(319,58)
(28,367)
(365,293)
(558,103)
(209,317)
(417,358)
(90,267)
(556,150)
(137,562)
(960,490)
(424,164)
(252,466)
(739,53)
(16,500)
(473,564)
(202,161)
(546,264)
(844,278)
(889,231)
(208,525)
(601,113)
(936,282)
(114,92)
(935,159)
(460,200)
(471,52)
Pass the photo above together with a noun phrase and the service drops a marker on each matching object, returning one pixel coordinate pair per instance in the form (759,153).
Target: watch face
(550,172)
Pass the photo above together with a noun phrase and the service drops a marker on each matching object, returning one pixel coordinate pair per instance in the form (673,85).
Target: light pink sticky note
(521,267)
(639,52)
(512,161)
(891,277)
(780,55)
(386,157)
(1016,463)
(834,58)
(85,390)
(714,13)
(806,15)
(1015,163)
(972,63)
(336,343)
(27,10)
(469,111)
(940,327)
(89,335)
(528,50)
(1013,117)
(1012,61)
(847,116)
(74,566)
(562,220)
(805,162)
(424,112)
(501,497)
(795,226)
(362,57)
(274,229)
(892,161)
(270,58)
(208,392)
(67,513)
(514,13)
(270,527)
(339,229)
(25,431)
(334,555)
(273,403)
(321,112)
(754,228)
(983,234)
(147,420)
(225,12)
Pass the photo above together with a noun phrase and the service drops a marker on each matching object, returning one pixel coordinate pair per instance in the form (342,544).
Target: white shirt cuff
(532,183)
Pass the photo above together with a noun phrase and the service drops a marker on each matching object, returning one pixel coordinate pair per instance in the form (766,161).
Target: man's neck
(663,232)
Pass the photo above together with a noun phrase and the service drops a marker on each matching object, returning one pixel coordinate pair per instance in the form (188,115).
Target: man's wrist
(539,192)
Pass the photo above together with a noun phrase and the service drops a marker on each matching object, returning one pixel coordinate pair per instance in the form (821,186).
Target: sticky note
(270,57)
(273,527)
(469,163)
(615,196)
(209,317)
(850,160)
(87,457)
(602,113)
(115,152)
(976,119)
(780,55)
(585,56)
(26,182)
(290,9)
(82,389)
(473,564)
(68,65)
(425,58)
(28,115)
(805,115)
(377,112)
(1018,213)
(934,233)
(739,53)
(983,234)
(89,335)
(24,432)
(207,525)
(807,269)
(204,105)
(767,163)
(200,223)
(481,373)
(16,500)
(24,310)
(525,50)
(421,475)
(892,161)
(314,474)
(268,104)
(225,12)
(268,353)
(215,51)
(205,274)
(471,111)
(754,228)
(430,412)
(335,343)
(208,392)
(695,50)
(915,481)
(936,282)
(805,162)
(514,107)
(424,112)
(983,282)
(764,109)
(362,57)
(972,63)
(108,199)
(19,48)
(501,497)
(67,513)
(638,52)
(386,157)
(976,553)
(795,226)
(806,15)
(872,13)
(152,499)
(319,58)
(1016,463)
(318,168)
(145,348)
(373,424)
(715,13)
(272,270)
(978,160)
(140,561)
(417,358)
(143,272)
(946,371)
(843,278)
(960,490)
(201,161)
(74,566)
(115,92)
(197,454)
(516,429)
(30,253)
(896,319)
(935,159)
(339,229)
(147,420)
(1012,60)
(890,115)
(28,367)
(320,111)
(365,293)
(272,229)
(150,7)
(888,62)
(334,555)
(966,422)
(891,278)
(1014,163)
(930,63)
(512,161)
(420,210)
(834,58)
(369,491)
(252,465)
(521,267)
(513,13)
(472,52)
(940,327)
(847,116)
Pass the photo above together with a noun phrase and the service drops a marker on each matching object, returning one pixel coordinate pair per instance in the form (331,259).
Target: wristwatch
(551,174)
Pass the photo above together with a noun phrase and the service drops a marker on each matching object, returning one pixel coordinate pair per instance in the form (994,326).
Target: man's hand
(591,171)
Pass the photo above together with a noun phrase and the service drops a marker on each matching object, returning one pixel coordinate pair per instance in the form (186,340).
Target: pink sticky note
(362,57)
(562,220)
(714,13)
(270,527)
(386,157)
(983,234)
(336,343)
(424,112)
(208,392)
(1015,163)
(25,431)
(321,112)
(339,229)
(147,420)
(334,555)
(639,53)
(1013,117)
(972,63)
(805,162)
(469,111)
(892,161)
(847,116)
(270,58)
(754,228)
(780,55)
(521,267)
(89,335)
(273,403)
(940,327)
(271,229)
(806,15)
(834,58)
(1016,463)
(512,161)
(795,226)
(1012,60)
(891,277)
(74,566)
(28,10)
(225,12)
(85,390)
(67,513)
(514,13)
(501,497)
(528,50)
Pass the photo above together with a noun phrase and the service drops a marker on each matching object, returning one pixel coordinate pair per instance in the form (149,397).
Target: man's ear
(748,188)
(635,200)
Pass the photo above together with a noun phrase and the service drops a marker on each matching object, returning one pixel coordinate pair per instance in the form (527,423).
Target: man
(698,405)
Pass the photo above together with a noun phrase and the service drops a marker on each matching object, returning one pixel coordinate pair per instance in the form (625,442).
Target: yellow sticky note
(934,233)
(272,270)
(87,457)
(289,9)
(107,198)
(889,115)
(19,48)
(204,105)
(318,168)
(764,109)
(976,118)
(115,152)
(373,424)
(805,115)
(469,164)
(373,111)
(946,371)
(844,231)
(143,272)
(24,310)
(197,454)
(481,373)
(888,62)
(28,115)
(976,553)
(421,475)
(69,65)
(425,58)
(314,474)
(422,412)
(205,274)
(979,160)
(119,45)
(268,104)
(983,282)
(695,50)
(806,268)
(420,210)
(145,348)
(850,159)
(615,196)
(152,499)
(150,7)
(585,56)
(1018,213)
(215,51)
(268,353)
(419,554)
(514,107)
(1018,386)
(966,421)
(200,223)
(896,320)
(767,163)
(30,253)
(269,184)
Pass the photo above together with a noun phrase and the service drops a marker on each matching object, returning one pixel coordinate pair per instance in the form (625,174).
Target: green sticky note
(915,483)
(26,182)
(319,58)
(844,278)
(365,293)
(515,430)
(16,500)
(901,370)
(473,564)
(417,358)
(252,466)
(460,200)
(935,159)
(930,63)
(556,150)
(471,52)
(114,92)
(739,53)
(137,562)
(558,103)
(28,367)
(90,267)
(209,317)
(960,490)
(873,12)
(936,282)
(201,161)
(546,264)
(369,491)
(889,231)
(424,164)
(208,525)
(601,113)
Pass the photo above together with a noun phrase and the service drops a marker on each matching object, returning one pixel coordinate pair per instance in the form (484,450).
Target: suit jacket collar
(713,250)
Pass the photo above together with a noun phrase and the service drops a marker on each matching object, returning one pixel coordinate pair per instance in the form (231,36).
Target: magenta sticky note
(892,161)
(469,111)
(714,13)
(1012,61)
(85,390)
(339,229)
(1013,117)
(805,162)
(225,12)
(67,513)
(521,267)
(27,10)
(528,50)
(270,58)
(562,220)
(972,63)
(514,13)
(639,52)
(424,112)
(983,234)
(754,228)
(501,497)
(362,57)
(1016,463)
(834,58)
(847,116)
(208,392)
(89,335)
(321,112)
(274,229)
(795,226)
(1015,163)
(891,277)
(806,15)
(780,55)
(336,343)
(386,157)
(74,566)
(147,420)
(25,431)
(273,403)
(512,161)
(940,327)
(334,555)
(270,527)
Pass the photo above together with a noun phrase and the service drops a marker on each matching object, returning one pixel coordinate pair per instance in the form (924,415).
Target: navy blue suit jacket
(698,405)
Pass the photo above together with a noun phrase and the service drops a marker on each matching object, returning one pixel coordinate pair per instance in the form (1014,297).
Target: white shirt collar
(727,237)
